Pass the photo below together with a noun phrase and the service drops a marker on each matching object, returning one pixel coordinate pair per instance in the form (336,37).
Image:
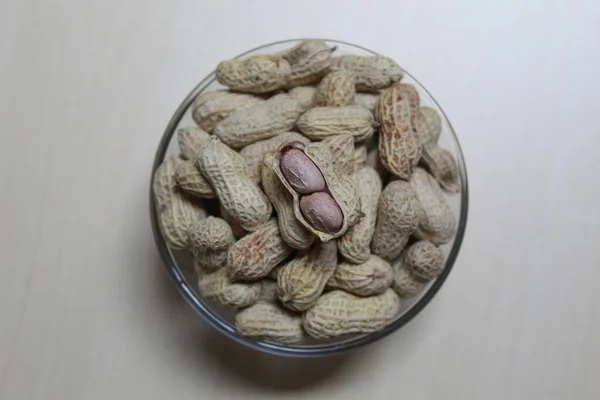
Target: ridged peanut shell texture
(256,254)
(438,224)
(355,245)
(270,322)
(342,151)
(309,61)
(360,156)
(372,72)
(398,216)
(369,278)
(190,139)
(301,281)
(340,313)
(225,170)
(175,212)
(442,166)
(400,147)
(255,152)
(190,180)
(210,239)
(216,286)
(211,107)
(429,125)
(425,260)
(340,186)
(322,122)
(336,89)
(235,225)
(291,230)
(259,122)
(439,161)
(256,74)
(405,283)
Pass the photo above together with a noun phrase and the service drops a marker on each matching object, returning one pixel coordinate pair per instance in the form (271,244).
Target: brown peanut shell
(211,107)
(398,216)
(226,172)
(216,286)
(256,254)
(269,321)
(256,74)
(438,224)
(309,61)
(340,313)
(259,122)
(372,277)
(301,281)
(400,147)
(355,244)
(322,122)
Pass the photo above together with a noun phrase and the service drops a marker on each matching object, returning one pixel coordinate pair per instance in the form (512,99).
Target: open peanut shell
(338,184)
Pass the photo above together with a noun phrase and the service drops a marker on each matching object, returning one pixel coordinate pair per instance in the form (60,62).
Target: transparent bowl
(179,263)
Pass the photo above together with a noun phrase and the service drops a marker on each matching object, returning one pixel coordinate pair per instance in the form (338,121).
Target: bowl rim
(270,347)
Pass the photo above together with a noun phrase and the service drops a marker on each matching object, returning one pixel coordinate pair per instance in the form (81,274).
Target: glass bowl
(179,263)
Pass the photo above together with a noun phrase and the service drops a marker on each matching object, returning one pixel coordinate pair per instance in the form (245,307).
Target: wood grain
(86,311)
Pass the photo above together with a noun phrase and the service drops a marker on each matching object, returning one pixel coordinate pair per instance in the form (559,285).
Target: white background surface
(86,311)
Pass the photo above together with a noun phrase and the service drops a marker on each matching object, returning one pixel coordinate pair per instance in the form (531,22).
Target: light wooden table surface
(86,310)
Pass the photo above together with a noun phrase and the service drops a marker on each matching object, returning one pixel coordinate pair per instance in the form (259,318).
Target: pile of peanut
(311,193)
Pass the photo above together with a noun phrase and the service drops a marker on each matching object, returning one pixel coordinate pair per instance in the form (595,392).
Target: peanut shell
(372,277)
(442,166)
(398,217)
(225,171)
(322,122)
(216,286)
(405,283)
(339,313)
(372,72)
(256,254)
(429,125)
(438,224)
(301,281)
(309,61)
(237,229)
(399,143)
(175,212)
(259,122)
(425,260)
(210,239)
(270,322)
(256,74)
(211,107)
(336,89)
(374,161)
(342,151)
(190,139)
(190,180)
(360,156)
(355,244)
